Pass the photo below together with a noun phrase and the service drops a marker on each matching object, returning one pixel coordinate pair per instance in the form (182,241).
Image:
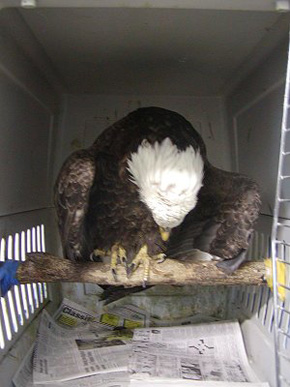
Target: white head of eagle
(168,180)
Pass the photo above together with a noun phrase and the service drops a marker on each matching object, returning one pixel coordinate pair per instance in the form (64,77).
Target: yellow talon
(117,253)
(114,260)
(141,257)
(122,254)
(164,234)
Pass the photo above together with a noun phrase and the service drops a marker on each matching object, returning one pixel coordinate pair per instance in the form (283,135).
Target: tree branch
(44,267)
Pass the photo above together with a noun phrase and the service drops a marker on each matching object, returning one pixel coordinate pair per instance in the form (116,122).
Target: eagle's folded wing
(222,222)
(71,198)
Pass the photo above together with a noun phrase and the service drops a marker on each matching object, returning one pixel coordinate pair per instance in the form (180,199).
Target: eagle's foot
(141,257)
(118,254)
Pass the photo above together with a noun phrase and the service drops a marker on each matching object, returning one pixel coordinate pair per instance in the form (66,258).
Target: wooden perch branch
(44,267)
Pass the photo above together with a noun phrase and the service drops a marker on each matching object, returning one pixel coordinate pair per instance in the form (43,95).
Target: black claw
(124,261)
(130,269)
(144,284)
(114,272)
(95,258)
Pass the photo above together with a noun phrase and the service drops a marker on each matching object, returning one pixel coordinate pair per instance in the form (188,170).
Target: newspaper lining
(62,354)
(213,352)
(73,315)
(84,351)
(24,378)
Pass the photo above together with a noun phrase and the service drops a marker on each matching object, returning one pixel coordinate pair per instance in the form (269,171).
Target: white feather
(168,180)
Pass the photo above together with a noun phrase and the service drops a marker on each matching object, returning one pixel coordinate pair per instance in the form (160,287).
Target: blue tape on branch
(8,278)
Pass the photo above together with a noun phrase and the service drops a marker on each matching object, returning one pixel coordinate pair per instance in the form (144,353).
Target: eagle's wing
(71,197)
(222,222)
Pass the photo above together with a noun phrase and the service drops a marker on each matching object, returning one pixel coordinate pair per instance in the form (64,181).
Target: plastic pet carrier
(70,69)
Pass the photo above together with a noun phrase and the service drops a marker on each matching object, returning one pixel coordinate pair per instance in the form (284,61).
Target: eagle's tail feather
(114,293)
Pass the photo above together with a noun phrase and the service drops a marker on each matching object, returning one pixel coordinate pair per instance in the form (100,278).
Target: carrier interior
(69,69)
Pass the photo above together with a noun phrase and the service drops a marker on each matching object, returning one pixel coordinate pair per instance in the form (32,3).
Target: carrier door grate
(280,248)
(22,302)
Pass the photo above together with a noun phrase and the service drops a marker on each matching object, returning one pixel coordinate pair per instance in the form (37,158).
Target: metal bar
(286,357)
(284,286)
(284,380)
(280,330)
(283,225)
(283,309)
(281,260)
(275,241)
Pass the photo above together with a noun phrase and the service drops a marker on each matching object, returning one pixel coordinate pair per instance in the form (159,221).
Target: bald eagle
(145,189)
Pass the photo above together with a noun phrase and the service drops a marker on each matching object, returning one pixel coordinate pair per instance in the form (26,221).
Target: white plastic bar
(21,287)
(2,340)
(26,287)
(43,249)
(38,248)
(31,247)
(25,241)
(8,313)
(16,305)
(11,294)
(7,320)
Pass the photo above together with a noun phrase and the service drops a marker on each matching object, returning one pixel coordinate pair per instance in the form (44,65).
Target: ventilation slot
(22,302)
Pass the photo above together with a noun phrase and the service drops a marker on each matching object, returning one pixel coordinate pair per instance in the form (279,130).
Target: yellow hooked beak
(165,233)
